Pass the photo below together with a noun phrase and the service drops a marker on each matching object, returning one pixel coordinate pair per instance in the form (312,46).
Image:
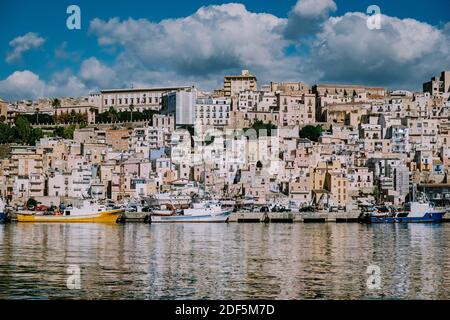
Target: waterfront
(224,261)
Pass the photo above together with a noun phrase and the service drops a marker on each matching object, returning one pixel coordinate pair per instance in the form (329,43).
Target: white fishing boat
(175,200)
(163,210)
(205,211)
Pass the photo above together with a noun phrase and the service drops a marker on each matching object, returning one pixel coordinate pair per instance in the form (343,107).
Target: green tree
(310,132)
(262,127)
(131,107)
(37,115)
(23,129)
(7,134)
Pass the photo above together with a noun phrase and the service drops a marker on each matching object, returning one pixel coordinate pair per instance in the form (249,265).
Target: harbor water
(225,261)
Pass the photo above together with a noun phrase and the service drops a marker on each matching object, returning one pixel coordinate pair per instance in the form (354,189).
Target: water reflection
(224,261)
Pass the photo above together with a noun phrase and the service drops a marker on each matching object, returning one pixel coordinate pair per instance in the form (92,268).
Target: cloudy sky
(146,43)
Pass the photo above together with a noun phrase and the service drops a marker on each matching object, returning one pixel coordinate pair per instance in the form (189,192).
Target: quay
(269,217)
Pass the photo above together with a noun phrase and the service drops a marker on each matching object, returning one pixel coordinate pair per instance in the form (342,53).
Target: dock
(291,217)
(268,217)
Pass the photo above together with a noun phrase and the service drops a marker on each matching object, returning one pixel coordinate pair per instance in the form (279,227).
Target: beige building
(296,109)
(289,87)
(141,98)
(118,139)
(233,85)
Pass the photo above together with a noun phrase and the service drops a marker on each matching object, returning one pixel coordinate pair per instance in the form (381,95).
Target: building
(233,85)
(289,87)
(140,98)
(213,112)
(180,104)
(439,84)
(296,109)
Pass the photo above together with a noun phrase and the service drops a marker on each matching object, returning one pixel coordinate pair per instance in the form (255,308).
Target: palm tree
(131,107)
(37,115)
(112,114)
(56,103)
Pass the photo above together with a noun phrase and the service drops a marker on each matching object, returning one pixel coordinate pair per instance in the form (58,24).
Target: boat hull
(3,218)
(223,217)
(110,216)
(434,217)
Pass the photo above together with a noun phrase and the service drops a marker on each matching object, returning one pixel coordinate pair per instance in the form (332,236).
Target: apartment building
(233,85)
(214,112)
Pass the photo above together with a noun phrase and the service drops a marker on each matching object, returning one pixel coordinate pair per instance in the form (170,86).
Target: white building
(141,98)
(181,104)
(213,111)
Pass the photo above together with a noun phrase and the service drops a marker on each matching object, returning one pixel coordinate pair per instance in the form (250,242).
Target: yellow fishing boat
(89,212)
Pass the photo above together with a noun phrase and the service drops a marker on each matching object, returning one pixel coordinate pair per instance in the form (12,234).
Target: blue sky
(139,48)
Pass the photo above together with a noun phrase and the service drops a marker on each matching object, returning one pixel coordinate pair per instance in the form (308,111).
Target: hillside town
(324,147)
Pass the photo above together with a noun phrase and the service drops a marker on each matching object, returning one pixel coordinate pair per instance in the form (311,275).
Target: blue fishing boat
(414,211)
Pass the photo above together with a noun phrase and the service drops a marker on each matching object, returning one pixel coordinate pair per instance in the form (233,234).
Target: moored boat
(88,212)
(3,215)
(415,211)
(205,211)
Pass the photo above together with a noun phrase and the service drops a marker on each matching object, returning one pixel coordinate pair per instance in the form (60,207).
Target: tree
(37,115)
(131,107)
(2,119)
(65,132)
(112,114)
(261,127)
(310,132)
(7,133)
(23,129)
(56,103)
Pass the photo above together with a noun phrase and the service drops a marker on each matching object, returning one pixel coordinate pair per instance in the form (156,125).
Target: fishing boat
(415,211)
(88,212)
(163,210)
(176,200)
(205,211)
(3,216)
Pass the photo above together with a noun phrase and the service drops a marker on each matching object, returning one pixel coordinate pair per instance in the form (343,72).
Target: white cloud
(314,8)
(22,85)
(25,84)
(201,47)
(22,44)
(306,18)
(404,52)
(95,74)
